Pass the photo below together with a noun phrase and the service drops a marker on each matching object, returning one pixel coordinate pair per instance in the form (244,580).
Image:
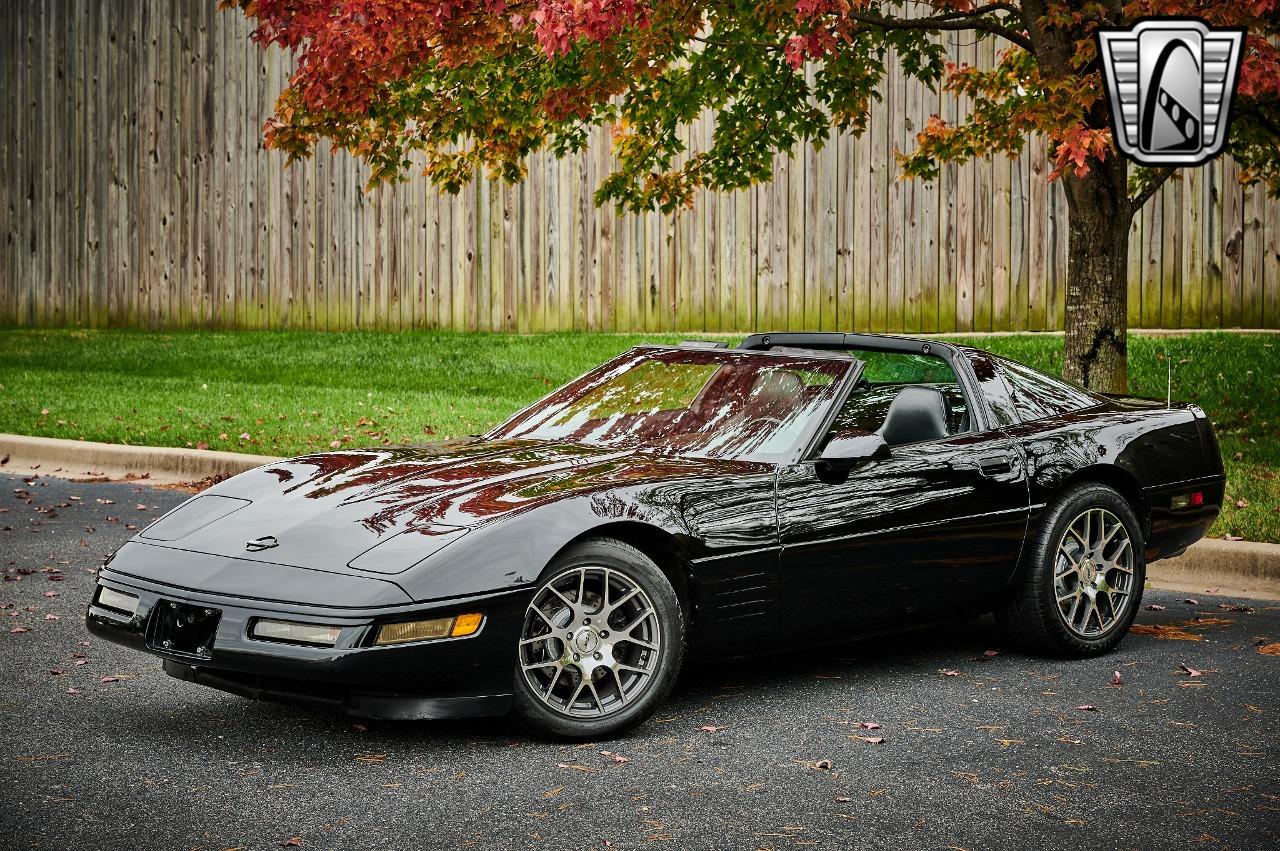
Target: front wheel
(601,644)
(1084,575)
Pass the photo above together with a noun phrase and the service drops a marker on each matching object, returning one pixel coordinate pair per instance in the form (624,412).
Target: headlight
(121,602)
(193,515)
(455,627)
(297,633)
(401,552)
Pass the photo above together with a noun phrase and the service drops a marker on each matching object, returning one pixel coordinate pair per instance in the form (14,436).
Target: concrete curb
(1230,568)
(83,458)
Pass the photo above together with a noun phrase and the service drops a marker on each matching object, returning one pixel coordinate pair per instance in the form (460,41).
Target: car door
(926,529)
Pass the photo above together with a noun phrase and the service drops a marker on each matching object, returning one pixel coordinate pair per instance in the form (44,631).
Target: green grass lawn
(284,393)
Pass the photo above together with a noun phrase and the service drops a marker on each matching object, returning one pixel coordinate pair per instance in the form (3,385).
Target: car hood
(321,511)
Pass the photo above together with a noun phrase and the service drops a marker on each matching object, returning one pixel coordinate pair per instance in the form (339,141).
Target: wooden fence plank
(136,193)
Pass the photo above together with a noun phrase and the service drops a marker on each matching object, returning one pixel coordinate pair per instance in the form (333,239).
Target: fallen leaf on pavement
(948,673)
(1116,679)
(1189,671)
(709,728)
(1087,707)
(868,725)
(576,767)
(1229,607)
(1191,601)
(1156,607)
(21,629)
(294,841)
(1164,631)
(1270,649)
(1209,621)
(990,654)
(874,740)
(73,691)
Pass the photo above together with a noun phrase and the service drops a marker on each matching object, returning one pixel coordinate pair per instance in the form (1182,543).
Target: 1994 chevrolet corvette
(799,489)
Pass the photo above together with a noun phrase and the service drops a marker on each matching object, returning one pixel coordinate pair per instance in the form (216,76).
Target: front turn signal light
(455,627)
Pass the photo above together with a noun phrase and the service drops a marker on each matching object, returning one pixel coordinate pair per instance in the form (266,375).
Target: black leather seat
(916,414)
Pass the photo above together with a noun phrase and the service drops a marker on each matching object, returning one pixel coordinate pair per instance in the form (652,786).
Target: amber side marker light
(456,627)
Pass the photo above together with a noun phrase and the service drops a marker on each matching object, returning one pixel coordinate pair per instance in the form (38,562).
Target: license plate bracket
(183,629)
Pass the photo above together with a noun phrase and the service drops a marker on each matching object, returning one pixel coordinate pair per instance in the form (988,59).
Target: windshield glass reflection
(712,404)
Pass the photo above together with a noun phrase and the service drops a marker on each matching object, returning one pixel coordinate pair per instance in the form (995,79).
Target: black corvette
(799,489)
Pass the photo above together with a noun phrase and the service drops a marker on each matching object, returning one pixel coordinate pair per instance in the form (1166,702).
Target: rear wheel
(1084,576)
(601,644)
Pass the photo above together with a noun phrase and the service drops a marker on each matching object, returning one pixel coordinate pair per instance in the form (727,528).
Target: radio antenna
(1168,371)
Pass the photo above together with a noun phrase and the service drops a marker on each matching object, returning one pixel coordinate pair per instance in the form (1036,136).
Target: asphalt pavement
(935,739)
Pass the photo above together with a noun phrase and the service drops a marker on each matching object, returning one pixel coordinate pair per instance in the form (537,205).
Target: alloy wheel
(1093,573)
(590,642)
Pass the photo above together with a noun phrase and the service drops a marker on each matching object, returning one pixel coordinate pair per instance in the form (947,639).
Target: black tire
(639,570)
(1030,616)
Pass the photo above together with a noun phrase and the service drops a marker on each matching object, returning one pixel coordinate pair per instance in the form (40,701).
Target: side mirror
(850,448)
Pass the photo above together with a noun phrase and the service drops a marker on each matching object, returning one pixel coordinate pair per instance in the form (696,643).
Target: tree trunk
(1097,257)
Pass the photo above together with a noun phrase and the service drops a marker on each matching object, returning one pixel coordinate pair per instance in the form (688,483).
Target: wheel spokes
(1084,572)
(570,653)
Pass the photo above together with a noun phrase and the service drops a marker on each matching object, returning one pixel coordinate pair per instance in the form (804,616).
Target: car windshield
(708,403)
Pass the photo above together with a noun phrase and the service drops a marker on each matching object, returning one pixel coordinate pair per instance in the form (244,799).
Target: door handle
(993,465)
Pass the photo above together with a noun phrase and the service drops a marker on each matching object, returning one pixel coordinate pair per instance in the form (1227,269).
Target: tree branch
(1136,202)
(968,21)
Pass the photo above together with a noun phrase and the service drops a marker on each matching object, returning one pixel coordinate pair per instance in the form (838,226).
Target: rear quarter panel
(1149,452)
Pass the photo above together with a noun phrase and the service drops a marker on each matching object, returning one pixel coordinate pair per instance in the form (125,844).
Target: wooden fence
(136,193)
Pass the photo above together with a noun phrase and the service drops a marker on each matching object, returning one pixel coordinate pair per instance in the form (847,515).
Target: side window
(1036,395)
(995,390)
(884,376)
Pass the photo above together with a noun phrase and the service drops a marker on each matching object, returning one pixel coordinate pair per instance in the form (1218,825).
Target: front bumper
(443,678)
